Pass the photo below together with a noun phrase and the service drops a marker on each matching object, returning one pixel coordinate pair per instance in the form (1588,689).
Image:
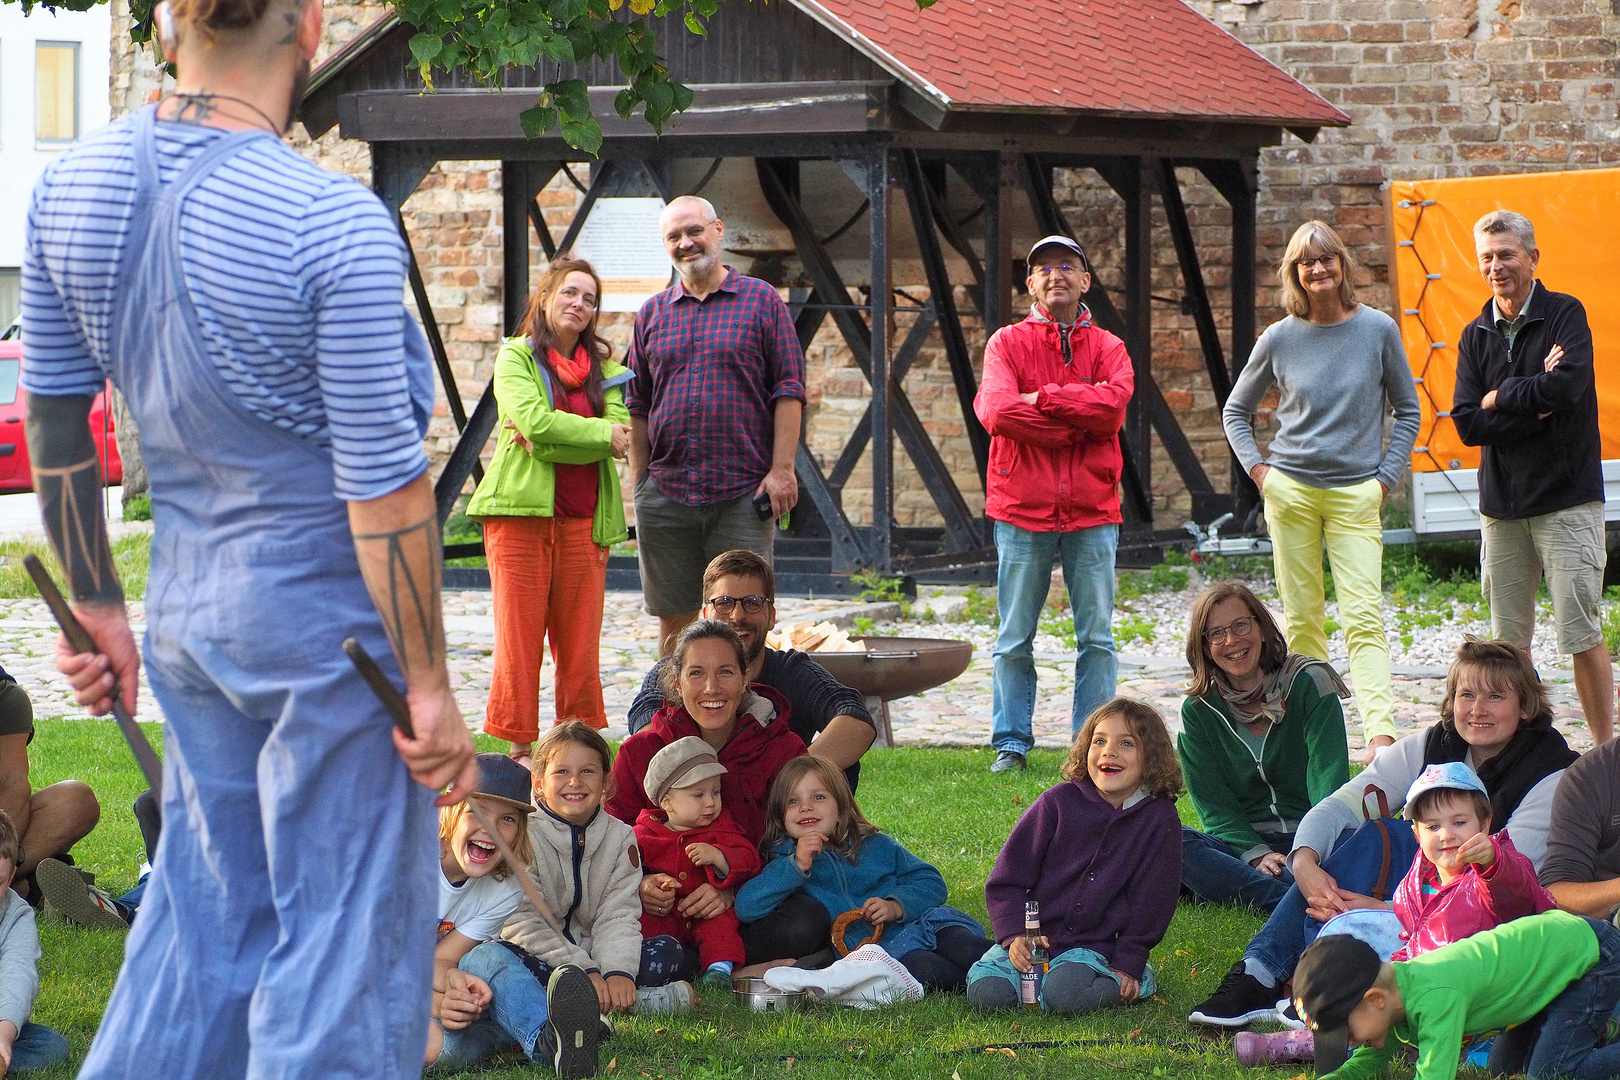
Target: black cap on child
(1329,982)
(502,779)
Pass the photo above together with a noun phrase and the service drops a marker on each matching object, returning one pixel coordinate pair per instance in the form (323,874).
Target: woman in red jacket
(706,687)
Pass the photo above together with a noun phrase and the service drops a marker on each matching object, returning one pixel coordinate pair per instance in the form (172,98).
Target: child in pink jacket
(1466,880)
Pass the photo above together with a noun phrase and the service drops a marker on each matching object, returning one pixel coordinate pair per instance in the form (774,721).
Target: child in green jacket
(1547,983)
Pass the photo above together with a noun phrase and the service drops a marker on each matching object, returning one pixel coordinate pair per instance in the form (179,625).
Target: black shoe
(1240,999)
(1008,760)
(575,1020)
(149,816)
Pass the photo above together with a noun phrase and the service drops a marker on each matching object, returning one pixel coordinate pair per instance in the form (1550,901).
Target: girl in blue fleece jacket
(817,840)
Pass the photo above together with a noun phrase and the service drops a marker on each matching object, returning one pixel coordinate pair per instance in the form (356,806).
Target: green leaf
(660,96)
(558,48)
(424,47)
(448,10)
(624,102)
(694,25)
(583,135)
(572,98)
(683,96)
(538,120)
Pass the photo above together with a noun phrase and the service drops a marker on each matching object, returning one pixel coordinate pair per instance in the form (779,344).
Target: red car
(14,472)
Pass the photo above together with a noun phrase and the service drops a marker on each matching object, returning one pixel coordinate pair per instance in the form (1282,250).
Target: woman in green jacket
(550,505)
(1262,741)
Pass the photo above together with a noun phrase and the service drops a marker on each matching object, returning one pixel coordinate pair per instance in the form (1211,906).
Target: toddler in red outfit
(688,841)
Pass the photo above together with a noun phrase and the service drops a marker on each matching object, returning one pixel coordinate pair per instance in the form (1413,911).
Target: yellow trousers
(1301,518)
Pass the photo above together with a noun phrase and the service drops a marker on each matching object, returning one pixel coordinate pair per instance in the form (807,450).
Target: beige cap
(680,764)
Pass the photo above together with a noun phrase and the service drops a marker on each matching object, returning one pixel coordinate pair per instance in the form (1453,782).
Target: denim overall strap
(287,928)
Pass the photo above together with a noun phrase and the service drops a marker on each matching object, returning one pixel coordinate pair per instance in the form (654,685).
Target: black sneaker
(1240,999)
(575,1020)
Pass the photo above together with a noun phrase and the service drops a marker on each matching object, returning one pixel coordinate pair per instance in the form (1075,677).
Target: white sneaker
(671,999)
(1287,1016)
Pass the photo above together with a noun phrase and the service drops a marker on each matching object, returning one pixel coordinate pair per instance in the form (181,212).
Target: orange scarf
(572,373)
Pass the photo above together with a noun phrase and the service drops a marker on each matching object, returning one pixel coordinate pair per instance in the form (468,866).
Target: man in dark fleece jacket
(1526,395)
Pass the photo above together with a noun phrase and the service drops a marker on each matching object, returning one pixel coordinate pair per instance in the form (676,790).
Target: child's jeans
(37,1047)
(517,1015)
(1563,1040)
(1077,981)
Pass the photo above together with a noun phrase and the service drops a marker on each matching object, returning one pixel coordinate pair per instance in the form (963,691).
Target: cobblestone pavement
(955,714)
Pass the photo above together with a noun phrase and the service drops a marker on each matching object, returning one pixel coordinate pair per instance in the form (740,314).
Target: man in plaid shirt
(715,409)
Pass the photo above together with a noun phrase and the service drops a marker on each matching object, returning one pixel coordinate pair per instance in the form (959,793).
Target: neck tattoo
(200,107)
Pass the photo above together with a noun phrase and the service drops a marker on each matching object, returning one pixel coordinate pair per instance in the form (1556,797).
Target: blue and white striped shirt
(297,275)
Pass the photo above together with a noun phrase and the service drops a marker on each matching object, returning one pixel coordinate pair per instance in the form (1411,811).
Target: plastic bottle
(1257,1048)
(1029,982)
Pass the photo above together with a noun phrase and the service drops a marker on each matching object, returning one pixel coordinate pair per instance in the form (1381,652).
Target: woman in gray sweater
(1339,368)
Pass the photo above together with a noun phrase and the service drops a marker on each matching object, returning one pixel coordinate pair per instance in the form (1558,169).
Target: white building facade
(54,73)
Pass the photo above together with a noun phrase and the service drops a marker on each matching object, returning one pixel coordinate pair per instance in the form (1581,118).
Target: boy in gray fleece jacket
(23,1046)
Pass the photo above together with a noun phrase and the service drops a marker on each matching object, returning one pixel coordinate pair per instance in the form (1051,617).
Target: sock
(1260,972)
(722,967)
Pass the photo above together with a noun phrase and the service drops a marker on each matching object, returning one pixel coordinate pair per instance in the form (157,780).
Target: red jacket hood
(748,740)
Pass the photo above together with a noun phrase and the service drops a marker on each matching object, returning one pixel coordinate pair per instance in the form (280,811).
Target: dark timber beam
(903,357)
(1139,320)
(1238,183)
(1192,278)
(891,412)
(920,203)
(601,176)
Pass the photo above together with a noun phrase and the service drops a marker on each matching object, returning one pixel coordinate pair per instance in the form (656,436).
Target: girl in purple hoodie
(1101,855)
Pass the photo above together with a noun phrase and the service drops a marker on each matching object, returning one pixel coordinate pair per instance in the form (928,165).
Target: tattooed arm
(67,476)
(397,540)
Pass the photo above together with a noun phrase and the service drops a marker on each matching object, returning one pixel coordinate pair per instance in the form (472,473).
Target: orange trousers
(546,578)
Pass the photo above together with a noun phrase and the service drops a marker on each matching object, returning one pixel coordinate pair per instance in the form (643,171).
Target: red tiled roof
(1110,57)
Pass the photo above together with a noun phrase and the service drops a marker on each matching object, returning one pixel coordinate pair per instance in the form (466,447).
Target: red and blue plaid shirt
(707,376)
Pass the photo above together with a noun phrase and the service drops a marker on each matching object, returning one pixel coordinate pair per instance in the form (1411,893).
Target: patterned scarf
(1271,692)
(571,373)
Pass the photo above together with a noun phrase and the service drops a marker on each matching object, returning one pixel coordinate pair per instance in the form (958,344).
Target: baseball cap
(1058,240)
(504,780)
(1329,982)
(680,764)
(1448,774)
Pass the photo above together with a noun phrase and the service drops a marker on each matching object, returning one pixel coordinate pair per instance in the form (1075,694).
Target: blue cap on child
(1448,774)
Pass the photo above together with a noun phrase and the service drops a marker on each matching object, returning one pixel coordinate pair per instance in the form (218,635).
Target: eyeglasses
(724,605)
(1327,261)
(1048,271)
(1217,635)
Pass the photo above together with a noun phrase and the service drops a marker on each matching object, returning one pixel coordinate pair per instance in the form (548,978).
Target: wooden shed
(861,141)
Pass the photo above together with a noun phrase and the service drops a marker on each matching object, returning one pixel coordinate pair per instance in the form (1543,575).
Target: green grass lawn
(942,804)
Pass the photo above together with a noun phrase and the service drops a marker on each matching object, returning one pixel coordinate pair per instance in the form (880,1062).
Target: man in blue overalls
(249,307)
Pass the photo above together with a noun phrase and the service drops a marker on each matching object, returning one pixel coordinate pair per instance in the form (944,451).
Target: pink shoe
(1254,1048)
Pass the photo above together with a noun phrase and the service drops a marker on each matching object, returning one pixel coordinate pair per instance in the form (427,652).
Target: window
(56,91)
(10,295)
(9,371)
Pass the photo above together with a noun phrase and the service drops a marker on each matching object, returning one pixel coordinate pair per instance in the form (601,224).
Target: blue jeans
(1357,862)
(37,1047)
(1563,1040)
(1214,875)
(1023,578)
(516,1015)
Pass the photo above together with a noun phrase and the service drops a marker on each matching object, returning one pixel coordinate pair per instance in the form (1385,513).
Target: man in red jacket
(1053,399)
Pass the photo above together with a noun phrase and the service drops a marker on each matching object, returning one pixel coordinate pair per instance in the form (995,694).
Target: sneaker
(75,899)
(718,976)
(1007,760)
(1241,999)
(668,1000)
(1288,1016)
(575,1021)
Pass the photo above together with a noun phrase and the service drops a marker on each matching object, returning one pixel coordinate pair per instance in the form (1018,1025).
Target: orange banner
(1439,290)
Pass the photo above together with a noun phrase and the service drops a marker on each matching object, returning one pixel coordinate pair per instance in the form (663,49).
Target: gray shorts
(1566,546)
(675,544)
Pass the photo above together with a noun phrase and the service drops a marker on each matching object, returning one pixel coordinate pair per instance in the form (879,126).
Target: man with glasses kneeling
(1053,399)
(739,588)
